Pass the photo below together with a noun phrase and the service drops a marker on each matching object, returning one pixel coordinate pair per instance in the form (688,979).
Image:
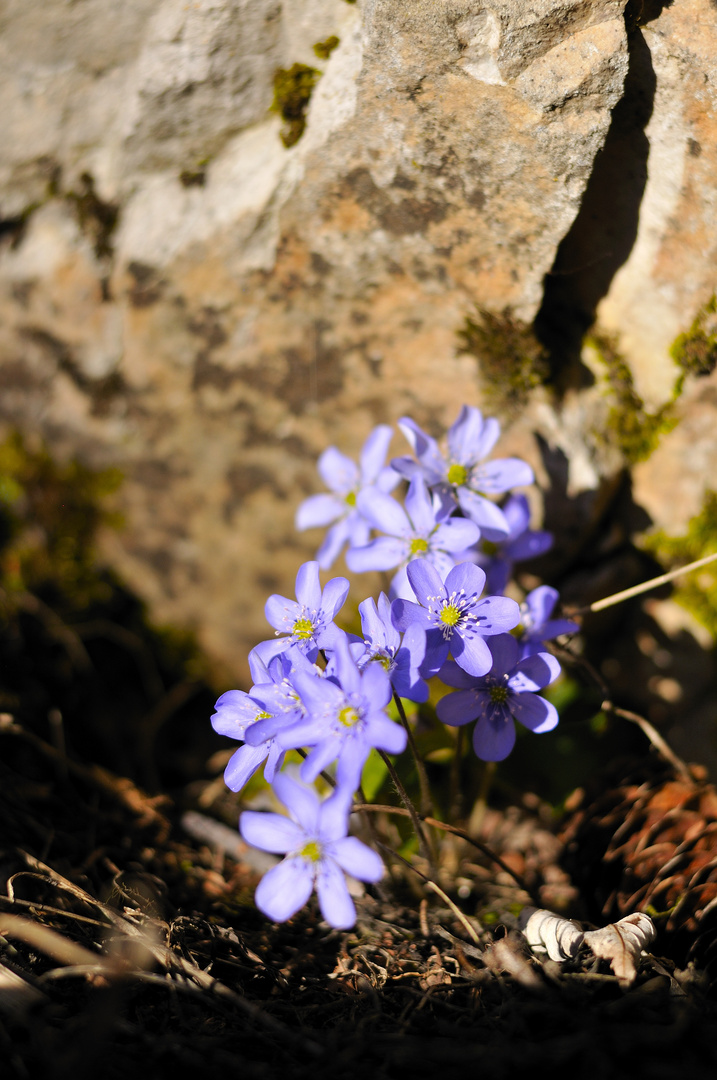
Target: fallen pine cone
(645,839)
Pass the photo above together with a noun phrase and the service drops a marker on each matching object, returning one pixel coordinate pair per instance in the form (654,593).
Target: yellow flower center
(350,499)
(457,474)
(450,615)
(348,716)
(303,628)
(499,695)
(418,546)
(311,851)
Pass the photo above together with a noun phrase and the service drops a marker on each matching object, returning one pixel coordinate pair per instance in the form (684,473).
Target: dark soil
(151,957)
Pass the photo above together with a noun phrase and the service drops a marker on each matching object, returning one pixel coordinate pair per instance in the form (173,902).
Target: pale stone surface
(254,303)
(671,269)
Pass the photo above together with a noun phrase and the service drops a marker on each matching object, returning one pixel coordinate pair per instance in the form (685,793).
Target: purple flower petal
(530,545)
(489,518)
(464,433)
(419,507)
(357,859)
(382,512)
(282,613)
(338,472)
(318,511)
(383,553)
(495,477)
(285,889)
(534,672)
(505,651)
(373,453)
(534,712)
(270,832)
(425,448)
(308,588)
(460,707)
(425,581)
(472,654)
(334,816)
(335,902)
(333,597)
(332,543)
(466,577)
(493,739)
(302,803)
(243,764)
(456,534)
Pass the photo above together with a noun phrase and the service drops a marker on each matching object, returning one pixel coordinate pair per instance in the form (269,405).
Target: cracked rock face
(186,298)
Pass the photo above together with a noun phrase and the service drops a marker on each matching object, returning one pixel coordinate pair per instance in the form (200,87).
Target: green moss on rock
(697,591)
(695,351)
(323,49)
(49,516)
(630,426)
(293,88)
(512,360)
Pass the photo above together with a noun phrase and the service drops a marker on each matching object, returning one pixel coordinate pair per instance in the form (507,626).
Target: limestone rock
(188,299)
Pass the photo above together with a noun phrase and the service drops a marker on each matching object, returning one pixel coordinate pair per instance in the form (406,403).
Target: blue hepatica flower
(536,625)
(306,622)
(345,480)
(401,656)
(508,692)
(456,618)
(461,476)
(318,854)
(345,719)
(236,713)
(521,543)
(419,532)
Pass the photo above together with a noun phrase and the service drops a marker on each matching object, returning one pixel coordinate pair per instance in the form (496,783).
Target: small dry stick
(650,732)
(439,892)
(646,586)
(375,808)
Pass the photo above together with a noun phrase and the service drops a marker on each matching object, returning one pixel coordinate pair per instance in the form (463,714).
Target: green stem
(426,800)
(410,808)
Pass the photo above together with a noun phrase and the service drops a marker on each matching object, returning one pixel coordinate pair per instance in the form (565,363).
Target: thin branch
(655,738)
(430,883)
(648,730)
(636,590)
(375,808)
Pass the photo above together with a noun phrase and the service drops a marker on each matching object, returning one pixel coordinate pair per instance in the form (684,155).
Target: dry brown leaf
(622,942)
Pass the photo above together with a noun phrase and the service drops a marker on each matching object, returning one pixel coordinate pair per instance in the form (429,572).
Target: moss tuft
(697,591)
(293,88)
(49,515)
(323,49)
(696,350)
(96,218)
(630,426)
(512,360)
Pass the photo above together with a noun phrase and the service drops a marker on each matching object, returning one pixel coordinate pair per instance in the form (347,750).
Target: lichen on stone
(695,351)
(512,361)
(323,49)
(293,88)
(630,425)
(697,592)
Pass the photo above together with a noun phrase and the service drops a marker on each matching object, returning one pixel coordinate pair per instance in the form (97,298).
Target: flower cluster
(325,692)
